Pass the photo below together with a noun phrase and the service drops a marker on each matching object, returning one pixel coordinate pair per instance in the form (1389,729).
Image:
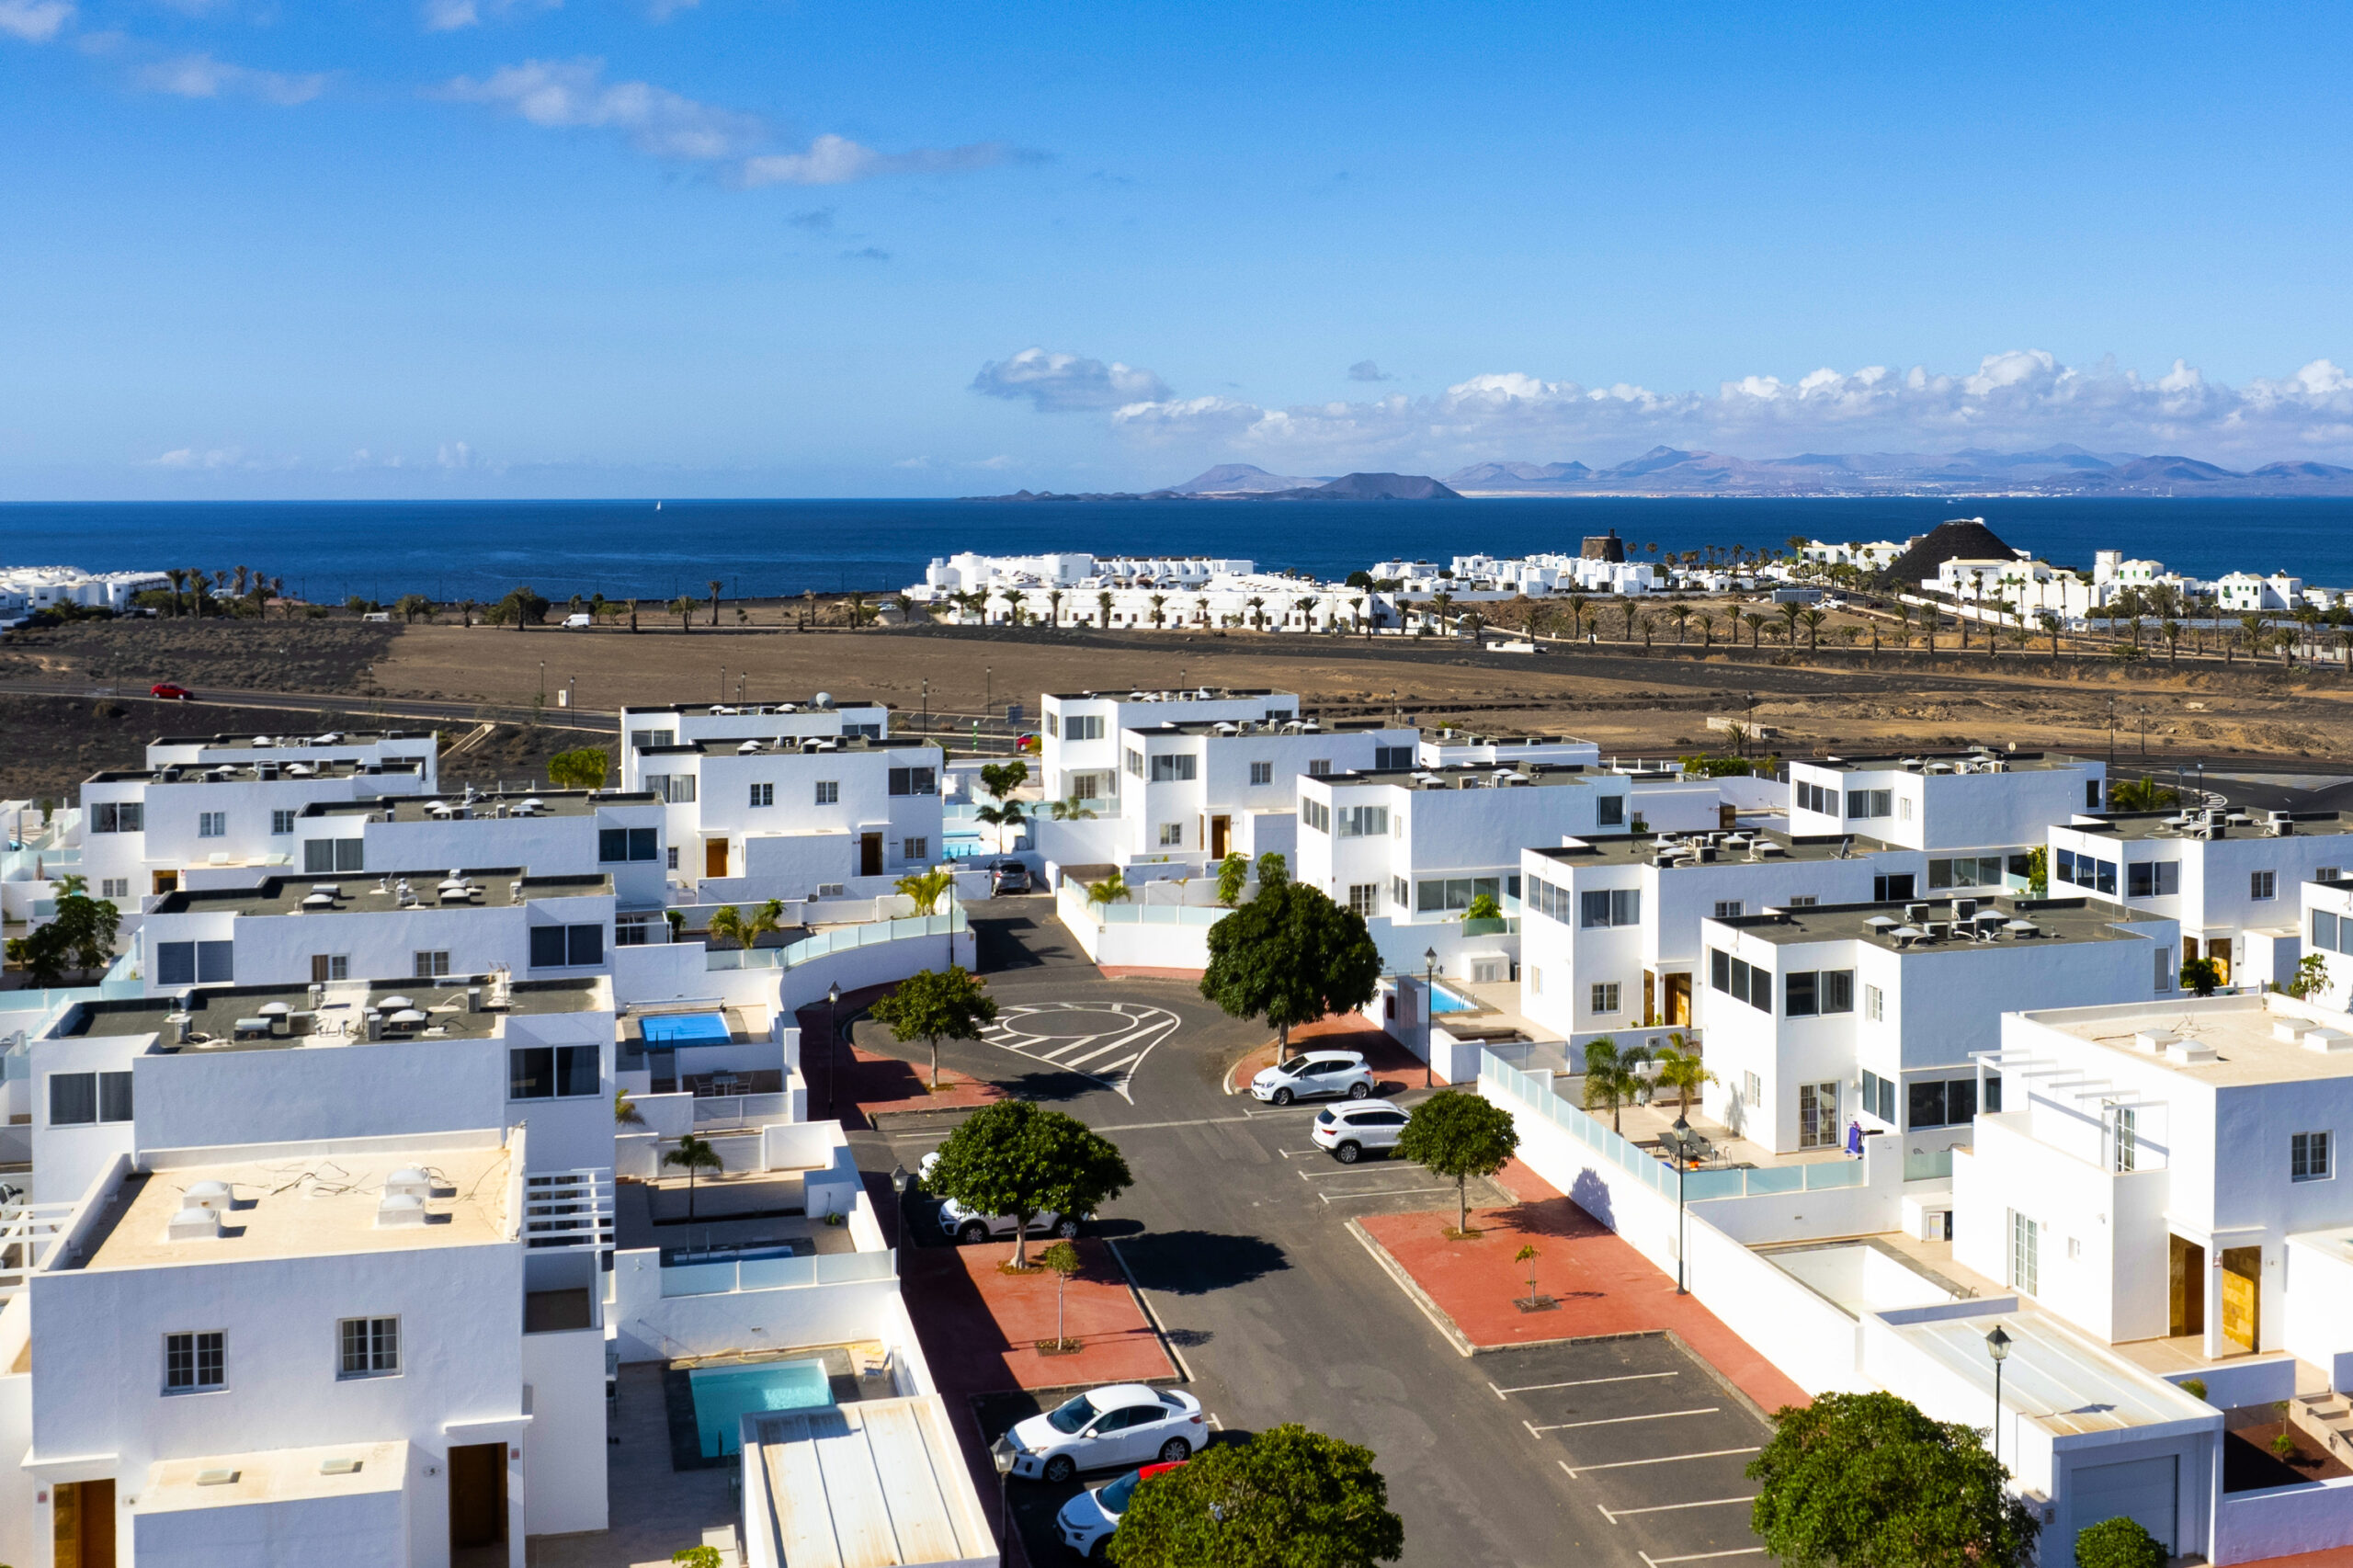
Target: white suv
(1314,1072)
(1350,1130)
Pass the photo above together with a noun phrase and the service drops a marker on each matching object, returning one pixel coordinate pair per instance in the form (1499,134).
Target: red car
(171,693)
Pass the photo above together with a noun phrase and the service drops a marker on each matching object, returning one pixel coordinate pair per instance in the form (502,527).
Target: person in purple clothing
(1855,1138)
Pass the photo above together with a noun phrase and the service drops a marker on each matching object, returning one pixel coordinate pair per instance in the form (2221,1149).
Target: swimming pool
(1444,998)
(724,1396)
(663,1030)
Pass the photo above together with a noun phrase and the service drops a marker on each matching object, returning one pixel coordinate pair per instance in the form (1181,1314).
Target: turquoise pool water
(1444,999)
(724,1396)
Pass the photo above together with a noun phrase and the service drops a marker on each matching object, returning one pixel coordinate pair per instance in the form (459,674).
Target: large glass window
(325,856)
(558,947)
(2026,1254)
(543,1072)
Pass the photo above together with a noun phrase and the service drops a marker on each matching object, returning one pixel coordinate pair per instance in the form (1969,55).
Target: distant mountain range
(1242,482)
(2054,470)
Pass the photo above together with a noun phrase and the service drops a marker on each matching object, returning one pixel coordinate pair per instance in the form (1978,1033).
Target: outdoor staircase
(2328,1417)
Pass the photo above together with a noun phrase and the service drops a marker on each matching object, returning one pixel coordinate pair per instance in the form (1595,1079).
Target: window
(194,1362)
(670,860)
(1752,1090)
(213,825)
(1891,890)
(1083,727)
(370,1348)
(83,1099)
(114,887)
(1401,893)
(1730,908)
(1135,762)
(1799,996)
(1172,835)
(1837,991)
(1453,892)
(1904,809)
(2307,1156)
(560,946)
(915,850)
(196,963)
(1364,822)
(1605,997)
(1814,798)
(2026,1248)
(646,740)
(280,824)
(324,855)
(1874,1004)
(678,789)
(2124,1137)
(119,816)
(1319,767)
(1818,1116)
(627,844)
(1088,786)
(1618,906)
(432,964)
(1739,980)
(1392,759)
(829,793)
(914,781)
(1870,803)
(2153,879)
(1803,901)
(1262,773)
(1364,899)
(1610,810)
(326,967)
(1054,724)
(2325,927)
(1970,871)
(763,795)
(2164,957)
(2262,885)
(1993,1105)
(2091,794)
(1941,1102)
(1315,815)
(1174,769)
(553,1071)
(1879,1096)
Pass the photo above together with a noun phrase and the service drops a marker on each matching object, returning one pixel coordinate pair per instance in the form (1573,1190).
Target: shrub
(2118,1544)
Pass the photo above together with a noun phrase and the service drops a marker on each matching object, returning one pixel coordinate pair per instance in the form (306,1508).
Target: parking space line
(1339,1170)
(1536,1431)
(1152,1126)
(1575,1471)
(1583,1382)
(1387,1192)
(1614,1515)
(1700,1556)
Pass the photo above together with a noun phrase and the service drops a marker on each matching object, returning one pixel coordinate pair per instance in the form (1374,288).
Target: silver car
(1352,1132)
(1314,1072)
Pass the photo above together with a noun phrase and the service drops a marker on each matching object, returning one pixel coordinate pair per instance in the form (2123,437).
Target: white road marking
(1670,1458)
(1143,1024)
(1536,1431)
(1583,1382)
(1340,1170)
(1148,1126)
(1387,1192)
(1614,1515)
(1701,1556)
(1098,1050)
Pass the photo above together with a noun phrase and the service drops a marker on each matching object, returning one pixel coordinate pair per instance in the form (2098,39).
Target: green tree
(1610,1078)
(936,1004)
(2311,976)
(1000,779)
(694,1154)
(729,923)
(1016,1159)
(2200,976)
(2119,1542)
(410,607)
(80,937)
(697,1557)
(1681,1071)
(1232,876)
(1111,890)
(1459,1135)
(1076,809)
(2138,795)
(1273,871)
(1290,956)
(2038,871)
(583,768)
(523,606)
(684,608)
(1483,907)
(625,1111)
(1867,1480)
(1063,1258)
(1288,1498)
(926,889)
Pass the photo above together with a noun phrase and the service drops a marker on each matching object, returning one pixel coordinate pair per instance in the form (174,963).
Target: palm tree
(1111,890)
(1256,605)
(1306,607)
(1054,606)
(625,1111)
(1681,1071)
(1814,619)
(1103,609)
(1707,628)
(2168,629)
(178,580)
(731,924)
(1017,601)
(1356,613)
(713,585)
(2049,624)
(1576,616)
(1679,613)
(681,606)
(1159,617)
(858,612)
(1611,1078)
(925,889)
(1756,624)
(1789,613)
(1076,809)
(694,1154)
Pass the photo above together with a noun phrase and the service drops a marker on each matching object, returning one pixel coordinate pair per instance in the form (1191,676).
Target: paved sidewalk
(1603,1285)
(980,1326)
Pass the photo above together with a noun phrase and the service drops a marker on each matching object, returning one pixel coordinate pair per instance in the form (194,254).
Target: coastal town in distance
(1528,1052)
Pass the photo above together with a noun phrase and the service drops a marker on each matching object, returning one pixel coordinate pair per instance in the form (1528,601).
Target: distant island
(1671,471)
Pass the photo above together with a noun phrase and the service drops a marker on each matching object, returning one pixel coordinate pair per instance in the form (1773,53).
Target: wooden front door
(2242,1296)
(167,881)
(714,856)
(82,1525)
(2186,1288)
(1221,831)
(1678,999)
(477,1496)
(870,854)
(1649,999)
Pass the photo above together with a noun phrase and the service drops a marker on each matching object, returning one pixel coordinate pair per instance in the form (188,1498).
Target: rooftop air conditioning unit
(2155,1041)
(399,1210)
(1964,909)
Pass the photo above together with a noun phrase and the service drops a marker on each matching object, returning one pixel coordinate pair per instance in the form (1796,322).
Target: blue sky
(494,247)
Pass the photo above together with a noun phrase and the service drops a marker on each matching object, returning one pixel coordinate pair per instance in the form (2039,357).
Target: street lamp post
(1685,1143)
(832,1039)
(1429,1016)
(1997,1345)
(1002,1454)
(900,1182)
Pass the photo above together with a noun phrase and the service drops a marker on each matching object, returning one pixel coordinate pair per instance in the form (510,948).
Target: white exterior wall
(171,813)
(722,809)
(1442,833)
(1951,810)
(1059,756)
(2217,876)
(771,721)
(1221,785)
(543,845)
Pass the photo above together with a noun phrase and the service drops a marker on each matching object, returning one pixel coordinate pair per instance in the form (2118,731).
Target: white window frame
(762,795)
(430,963)
(2026,1254)
(914,849)
(1874,1004)
(1605,997)
(1172,836)
(195,1353)
(2262,886)
(376,1344)
(1262,773)
(281,823)
(2312,1154)
(1364,899)
(829,793)
(213,825)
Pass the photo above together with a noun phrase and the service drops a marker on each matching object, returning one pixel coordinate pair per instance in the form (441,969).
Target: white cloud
(2022,398)
(201,76)
(1366,370)
(1059,383)
(572,93)
(836,160)
(34,21)
(449,16)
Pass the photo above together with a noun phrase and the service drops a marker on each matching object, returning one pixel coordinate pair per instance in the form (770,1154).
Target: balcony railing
(568,1208)
(778,1273)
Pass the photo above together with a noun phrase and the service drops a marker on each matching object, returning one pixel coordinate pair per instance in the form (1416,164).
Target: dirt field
(331,655)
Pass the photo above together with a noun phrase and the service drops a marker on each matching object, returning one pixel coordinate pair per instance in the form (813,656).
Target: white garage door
(2142,1491)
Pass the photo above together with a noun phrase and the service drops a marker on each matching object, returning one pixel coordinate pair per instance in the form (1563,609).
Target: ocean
(330,551)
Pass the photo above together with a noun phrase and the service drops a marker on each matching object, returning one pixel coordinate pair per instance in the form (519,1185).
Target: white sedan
(1088,1520)
(1107,1428)
(1314,1072)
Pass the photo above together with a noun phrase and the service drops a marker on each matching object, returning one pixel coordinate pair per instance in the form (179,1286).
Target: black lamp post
(1685,1143)
(1002,1454)
(1997,1345)
(900,1182)
(833,1038)
(1429,1016)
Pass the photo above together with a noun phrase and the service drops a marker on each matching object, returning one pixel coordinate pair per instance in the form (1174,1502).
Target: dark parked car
(1008,876)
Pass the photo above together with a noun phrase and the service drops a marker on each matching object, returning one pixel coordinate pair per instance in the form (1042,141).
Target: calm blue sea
(626,549)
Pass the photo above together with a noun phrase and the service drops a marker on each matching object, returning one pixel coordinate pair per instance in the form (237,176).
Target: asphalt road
(1236,1233)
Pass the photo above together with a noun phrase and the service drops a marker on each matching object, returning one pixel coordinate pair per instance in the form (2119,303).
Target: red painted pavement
(855,1084)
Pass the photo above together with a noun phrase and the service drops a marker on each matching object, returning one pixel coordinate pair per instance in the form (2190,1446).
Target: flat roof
(1443,739)
(2063,1383)
(274,1475)
(1173,694)
(340,1019)
(2054,919)
(1474,776)
(789,745)
(289,739)
(749,710)
(483,805)
(1262,728)
(878,1483)
(309,1206)
(1736,848)
(1920,761)
(2238,1029)
(224,773)
(379,893)
(2134,827)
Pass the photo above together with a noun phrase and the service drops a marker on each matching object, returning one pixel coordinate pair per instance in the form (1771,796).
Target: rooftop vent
(2291,1030)
(2190,1051)
(338,1466)
(2154,1040)
(2328,1041)
(408,1180)
(399,1210)
(193,1223)
(217,1477)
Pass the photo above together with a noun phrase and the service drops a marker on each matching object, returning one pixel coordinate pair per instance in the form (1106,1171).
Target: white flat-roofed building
(421,924)
(1188,788)
(24,589)
(797,817)
(1451,748)
(2172,1169)
(1079,754)
(418,749)
(551,833)
(2229,879)
(1991,807)
(685,723)
(1610,928)
(147,831)
(881,1482)
(2327,935)
(338,1350)
(357,1059)
(1823,1016)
